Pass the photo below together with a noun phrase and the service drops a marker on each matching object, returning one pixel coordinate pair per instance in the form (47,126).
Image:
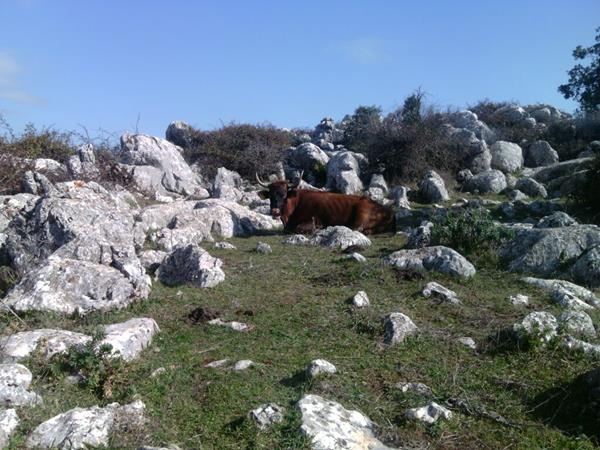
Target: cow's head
(278,193)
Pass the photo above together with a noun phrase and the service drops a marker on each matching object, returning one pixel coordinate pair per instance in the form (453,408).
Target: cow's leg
(361,219)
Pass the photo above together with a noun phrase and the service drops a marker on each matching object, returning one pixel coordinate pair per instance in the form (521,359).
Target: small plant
(470,231)
(586,196)
(8,278)
(98,368)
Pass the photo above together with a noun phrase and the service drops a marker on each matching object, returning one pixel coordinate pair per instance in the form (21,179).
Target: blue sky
(103,64)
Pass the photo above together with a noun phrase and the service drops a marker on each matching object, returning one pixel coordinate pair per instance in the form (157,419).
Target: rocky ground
(177,315)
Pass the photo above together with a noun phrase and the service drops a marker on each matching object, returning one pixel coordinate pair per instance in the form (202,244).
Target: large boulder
(175,175)
(562,169)
(180,134)
(491,181)
(540,153)
(308,158)
(468,120)
(76,252)
(437,259)
(330,426)
(531,187)
(191,264)
(81,428)
(227,185)
(432,188)
(570,251)
(344,171)
(506,156)
(511,114)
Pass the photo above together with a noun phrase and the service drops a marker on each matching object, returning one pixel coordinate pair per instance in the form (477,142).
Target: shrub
(8,278)
(469,231)
(99,370)
(361,128)
(16,151)
(244,148)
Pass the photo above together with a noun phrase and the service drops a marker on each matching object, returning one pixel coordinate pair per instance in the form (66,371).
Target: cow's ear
(263,194)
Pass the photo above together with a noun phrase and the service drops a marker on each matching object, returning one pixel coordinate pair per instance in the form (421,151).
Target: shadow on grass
(295,381)
(574,407)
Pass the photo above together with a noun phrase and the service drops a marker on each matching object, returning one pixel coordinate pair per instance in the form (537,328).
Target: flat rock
(330,426)
(576,323)
(437,259)
(224,245)
(440,292)
(236,326)
(467,342)
(566,292)
(129,338)
(242,364)
(296,239)
(83,427)
(340,238)
(47,341)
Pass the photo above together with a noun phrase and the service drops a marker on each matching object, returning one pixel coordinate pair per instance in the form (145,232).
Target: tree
(584,81)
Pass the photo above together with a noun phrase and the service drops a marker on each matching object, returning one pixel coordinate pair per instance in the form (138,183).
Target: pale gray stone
(519,299)
(267,415)
(506,156)
(556,220)
(417,388)
(330,426)
(296,239)
(227,185)
(436,290)
(467,342)
(224,245)
(360,299)
(538,325)
(81,428)
(561,289)
(129,338)
(242,364)
(9,421)
(421,236)
(429,414)
(437,259)
(344,170)
(236,326)
(47,342)
(540,153)
(531,187)
(397,326)
(319,367)
(340,238)
(191,264)
(263,247)
(432,188)
(490,181)
(576,323)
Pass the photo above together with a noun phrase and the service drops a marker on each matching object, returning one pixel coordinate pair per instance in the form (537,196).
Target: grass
(297,300)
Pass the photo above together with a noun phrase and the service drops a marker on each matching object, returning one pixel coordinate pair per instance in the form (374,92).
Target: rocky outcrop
(128,339)
(227,185)
(571,251)
(47,342)
(157,166)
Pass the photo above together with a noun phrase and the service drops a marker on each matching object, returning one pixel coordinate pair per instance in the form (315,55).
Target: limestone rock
(430,413)
(129,338)
(267,415)
(340,238)
(330,426)
(319,367)
(191,264)
(397,327)
(437,259)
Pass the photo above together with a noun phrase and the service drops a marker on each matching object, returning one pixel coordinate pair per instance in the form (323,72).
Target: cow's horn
(261,182)
(298,180)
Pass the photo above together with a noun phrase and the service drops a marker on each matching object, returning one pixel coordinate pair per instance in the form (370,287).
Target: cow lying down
(303,210)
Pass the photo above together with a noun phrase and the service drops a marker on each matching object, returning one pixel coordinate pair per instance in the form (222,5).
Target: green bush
(244,148)
(469,231)
(99,370)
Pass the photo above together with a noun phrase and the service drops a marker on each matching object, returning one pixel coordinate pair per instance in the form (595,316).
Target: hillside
(149,299)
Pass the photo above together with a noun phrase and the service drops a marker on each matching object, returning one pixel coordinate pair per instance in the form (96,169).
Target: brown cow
(303,210)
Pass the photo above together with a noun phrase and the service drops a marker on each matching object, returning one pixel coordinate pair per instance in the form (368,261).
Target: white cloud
(364,50)
(10,88)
